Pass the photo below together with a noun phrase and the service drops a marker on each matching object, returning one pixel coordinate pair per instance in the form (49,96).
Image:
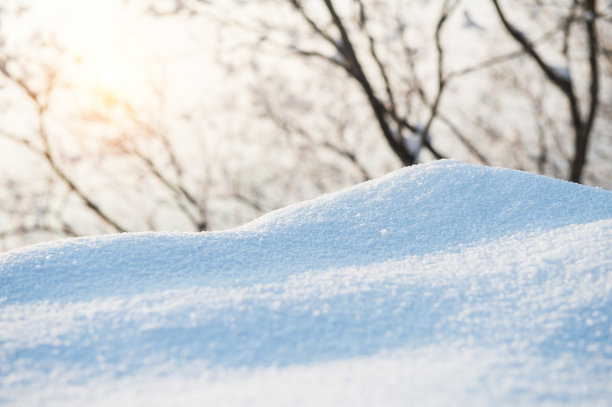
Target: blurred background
(194,115)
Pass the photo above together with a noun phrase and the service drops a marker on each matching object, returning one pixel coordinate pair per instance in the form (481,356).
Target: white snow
(414,141)
(413,144)
(437,285)
(470,23)
(562,72)
(590,16)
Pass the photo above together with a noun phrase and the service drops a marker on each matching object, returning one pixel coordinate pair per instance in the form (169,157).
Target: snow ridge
(442,284)
(414,211)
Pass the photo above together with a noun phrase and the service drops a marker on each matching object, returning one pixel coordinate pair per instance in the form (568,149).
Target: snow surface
(443,284)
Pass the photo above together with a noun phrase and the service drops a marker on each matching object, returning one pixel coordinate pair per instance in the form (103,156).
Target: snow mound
(437,207)
(443,283)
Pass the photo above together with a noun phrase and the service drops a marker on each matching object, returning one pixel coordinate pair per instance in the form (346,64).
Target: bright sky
(103,37)
(113,55)
(113,51)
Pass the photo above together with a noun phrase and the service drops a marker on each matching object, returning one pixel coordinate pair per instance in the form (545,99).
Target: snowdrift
(440,284)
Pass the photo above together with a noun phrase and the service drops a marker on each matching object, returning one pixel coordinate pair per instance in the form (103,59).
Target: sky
(112,54)
(115,48)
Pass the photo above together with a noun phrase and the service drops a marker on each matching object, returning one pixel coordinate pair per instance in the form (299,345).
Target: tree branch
(446,11)
(46,152)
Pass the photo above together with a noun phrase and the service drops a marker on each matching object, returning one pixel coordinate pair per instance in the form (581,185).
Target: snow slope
(440,284)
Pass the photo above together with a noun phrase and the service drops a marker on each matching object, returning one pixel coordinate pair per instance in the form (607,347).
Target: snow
(440,284)
(590,16)
(414,141)
(562,72)
(470,23)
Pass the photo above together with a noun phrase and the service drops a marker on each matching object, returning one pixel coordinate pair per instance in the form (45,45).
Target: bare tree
(581,15)
(113,166)
(373,43)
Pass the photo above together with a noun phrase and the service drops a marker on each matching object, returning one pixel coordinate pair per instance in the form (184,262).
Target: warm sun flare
(102,48)
(109,75)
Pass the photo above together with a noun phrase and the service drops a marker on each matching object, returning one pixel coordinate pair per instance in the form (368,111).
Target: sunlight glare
(101,39)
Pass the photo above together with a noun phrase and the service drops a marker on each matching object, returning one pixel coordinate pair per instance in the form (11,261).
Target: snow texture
(441,284)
